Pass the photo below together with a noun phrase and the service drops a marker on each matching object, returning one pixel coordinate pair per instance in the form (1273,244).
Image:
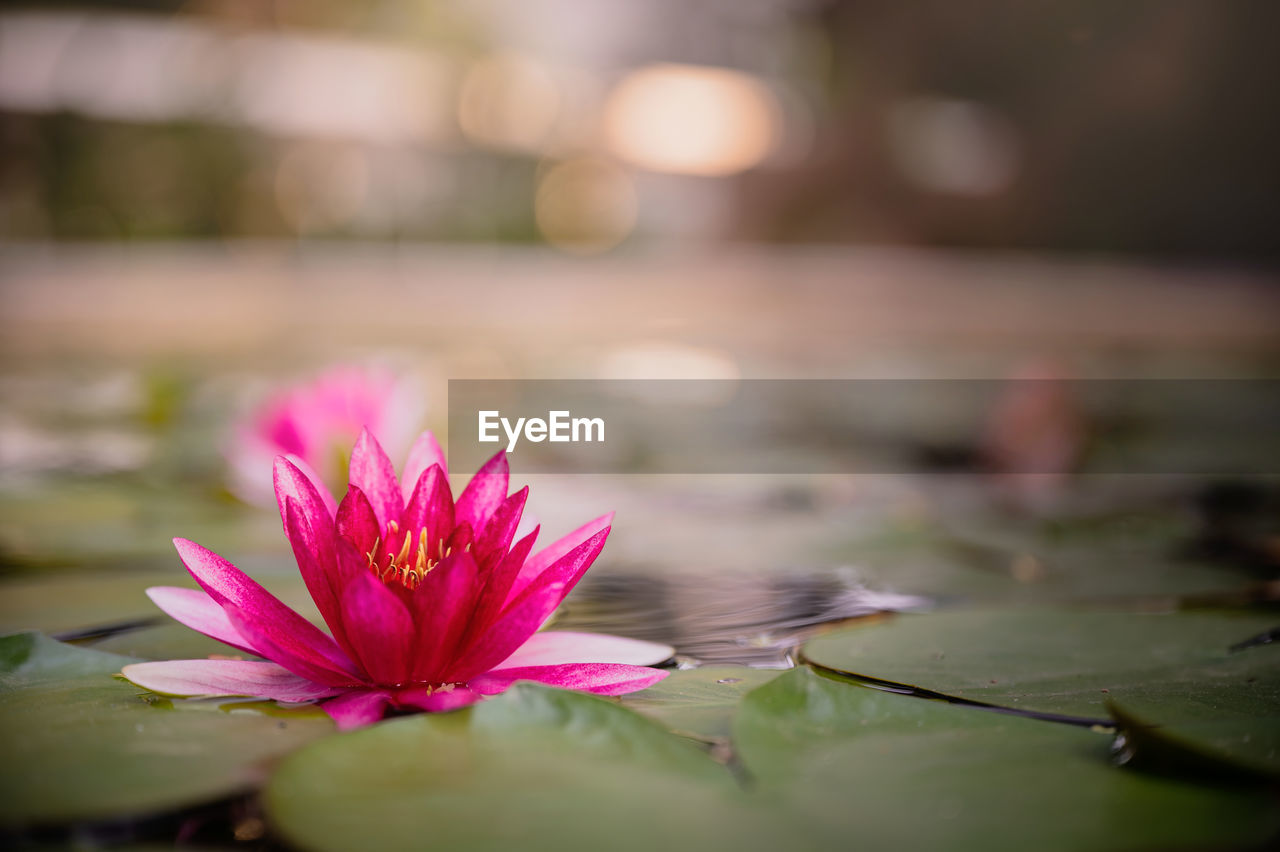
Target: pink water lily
(316,423)
(429,603)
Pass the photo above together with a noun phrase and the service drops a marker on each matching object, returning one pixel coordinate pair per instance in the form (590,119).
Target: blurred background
(202,201)
(1143,127)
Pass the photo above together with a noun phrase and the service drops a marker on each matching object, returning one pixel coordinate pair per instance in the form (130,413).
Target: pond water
(1104,597)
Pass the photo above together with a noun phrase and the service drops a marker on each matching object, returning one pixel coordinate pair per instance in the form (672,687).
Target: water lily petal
(430,507)
(318,565)
(225,677)
(443,605)
(373,473)
(553,647)
(438,700)
(460,539)
(599,678)
(563,574)
(275,630)
(494,540)
(198,611)
(523,616)
(552,553)
(294,479)
(356,709)
(310,530)
(357,521)
(379,627)
(494,596)
(483,494)
(424,453)
(288,651)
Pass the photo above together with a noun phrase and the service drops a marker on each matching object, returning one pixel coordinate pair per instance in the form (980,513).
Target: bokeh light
(585,205)
(691,120)
(509,102)
(953,146)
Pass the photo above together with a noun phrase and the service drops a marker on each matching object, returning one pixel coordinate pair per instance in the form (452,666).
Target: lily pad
(1190,738)
(1061,661)
(535,768)
(878,770)
(698,703)
(78,744)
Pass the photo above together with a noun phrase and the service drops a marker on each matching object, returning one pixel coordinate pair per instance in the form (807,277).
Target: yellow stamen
(411,565)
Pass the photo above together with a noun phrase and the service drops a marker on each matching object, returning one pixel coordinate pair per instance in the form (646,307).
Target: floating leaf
(535,768)
(1057,661)
(698,703)
(78,744)
(1219,740)
(869,769)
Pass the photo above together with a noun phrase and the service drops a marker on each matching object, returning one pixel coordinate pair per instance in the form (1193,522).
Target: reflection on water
(753,620)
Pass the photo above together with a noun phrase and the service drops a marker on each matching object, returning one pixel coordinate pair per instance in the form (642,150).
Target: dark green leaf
(698,702)
(535,768)
(1054,661)
(77,743)
(875,770)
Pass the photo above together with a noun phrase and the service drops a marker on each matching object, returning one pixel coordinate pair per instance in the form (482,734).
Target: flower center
(410,564)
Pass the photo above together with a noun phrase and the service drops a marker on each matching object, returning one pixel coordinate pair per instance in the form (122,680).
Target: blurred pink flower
(316,424)
(430,604)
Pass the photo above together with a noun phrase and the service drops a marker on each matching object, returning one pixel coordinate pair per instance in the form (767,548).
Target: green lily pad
(875,770)
(535,768)
(698,703)
(78,744)
(1194,738)
(1060,661)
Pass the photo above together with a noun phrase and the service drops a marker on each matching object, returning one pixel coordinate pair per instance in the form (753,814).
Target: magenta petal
(356,709)
(553,647)
(350,563)
(225,677)
(308,523)
(425,452)
(294,479)
(561,576)
(494,596)
(373,473)
(438,700)
(262,619)
(443,605)
(358,523)
(289,652)
(198,611)
(379,627)
(430,507)
(556,551)
(494,540)
(486,490)
(598,678)
(318,565)
(523,616)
